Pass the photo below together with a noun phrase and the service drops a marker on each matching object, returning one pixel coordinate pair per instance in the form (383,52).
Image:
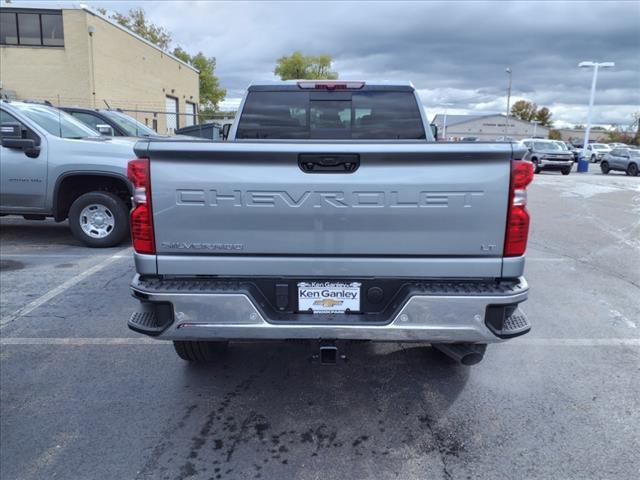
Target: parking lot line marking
(81,341)
(54,292)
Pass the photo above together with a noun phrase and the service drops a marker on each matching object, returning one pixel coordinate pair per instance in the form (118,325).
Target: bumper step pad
(516,323)
(513,325)
(147,321)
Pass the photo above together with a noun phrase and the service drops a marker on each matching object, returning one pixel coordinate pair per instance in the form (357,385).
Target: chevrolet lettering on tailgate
(318,199)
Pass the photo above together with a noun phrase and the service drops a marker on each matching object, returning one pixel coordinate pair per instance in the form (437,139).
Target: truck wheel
(604,166)
(594,159)
(99,219)
(566,171)
(632,169)
(536,167)
(199,351)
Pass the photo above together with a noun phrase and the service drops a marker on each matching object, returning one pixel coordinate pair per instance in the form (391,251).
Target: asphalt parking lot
(82,397)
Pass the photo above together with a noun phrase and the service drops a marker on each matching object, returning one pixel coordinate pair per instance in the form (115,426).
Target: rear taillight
(141,215)
(517,232)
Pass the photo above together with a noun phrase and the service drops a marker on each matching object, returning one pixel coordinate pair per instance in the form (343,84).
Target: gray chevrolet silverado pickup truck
(330,214)
(52,165)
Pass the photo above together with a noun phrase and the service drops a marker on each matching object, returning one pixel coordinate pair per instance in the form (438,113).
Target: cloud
(454,52)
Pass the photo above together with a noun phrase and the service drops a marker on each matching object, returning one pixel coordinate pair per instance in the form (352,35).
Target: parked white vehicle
(595,151)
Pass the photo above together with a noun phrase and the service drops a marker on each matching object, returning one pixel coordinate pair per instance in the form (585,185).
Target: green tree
(293,66)
(524,110)
(306,67)
(543,116)
(136,21)
(211,93)
(528,111)
(555,134)
(629,134)
(182,55)
(620,136)
(320,67)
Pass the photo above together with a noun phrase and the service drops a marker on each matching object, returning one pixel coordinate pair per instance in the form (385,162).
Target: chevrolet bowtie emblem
(328,302)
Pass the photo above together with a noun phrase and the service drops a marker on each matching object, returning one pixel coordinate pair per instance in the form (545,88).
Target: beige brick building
(78,57)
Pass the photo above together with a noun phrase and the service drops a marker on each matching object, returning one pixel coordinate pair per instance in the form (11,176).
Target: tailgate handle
(328,162)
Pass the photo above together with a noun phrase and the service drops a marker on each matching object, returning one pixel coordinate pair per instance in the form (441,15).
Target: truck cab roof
(366,83)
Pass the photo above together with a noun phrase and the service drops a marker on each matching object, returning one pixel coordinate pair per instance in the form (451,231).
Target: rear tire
(199,352)
(632,170)
(536,167)
(604,166)
(594,159)
(99,219)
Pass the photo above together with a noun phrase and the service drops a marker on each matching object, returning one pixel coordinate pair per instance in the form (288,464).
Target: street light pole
(444,123)
(535,127)
(583,163)
(506,123)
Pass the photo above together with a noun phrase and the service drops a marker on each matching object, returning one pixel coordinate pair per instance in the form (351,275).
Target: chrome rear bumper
(442,312)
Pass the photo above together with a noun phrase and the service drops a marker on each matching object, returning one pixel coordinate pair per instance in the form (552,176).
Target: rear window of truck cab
(358,115)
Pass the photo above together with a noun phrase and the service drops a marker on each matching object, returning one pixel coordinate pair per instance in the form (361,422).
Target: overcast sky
(454,52)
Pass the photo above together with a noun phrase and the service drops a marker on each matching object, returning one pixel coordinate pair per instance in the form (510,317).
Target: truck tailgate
(404,200)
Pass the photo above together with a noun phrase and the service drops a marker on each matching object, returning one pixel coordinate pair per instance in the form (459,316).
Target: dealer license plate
(329,297)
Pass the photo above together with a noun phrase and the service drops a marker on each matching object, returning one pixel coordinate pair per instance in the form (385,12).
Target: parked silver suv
(548,155)
(52,165)
(621,159)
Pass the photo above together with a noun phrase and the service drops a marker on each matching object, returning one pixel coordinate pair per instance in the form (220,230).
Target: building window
(52,34)
(8,29)
(29,29)
(35,29)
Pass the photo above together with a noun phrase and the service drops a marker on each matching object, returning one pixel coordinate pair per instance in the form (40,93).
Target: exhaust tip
(465,353)
(471,359)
